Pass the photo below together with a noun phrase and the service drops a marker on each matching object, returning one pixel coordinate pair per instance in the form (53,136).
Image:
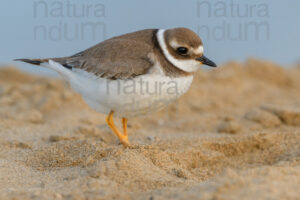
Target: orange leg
(122,137)
(124,122)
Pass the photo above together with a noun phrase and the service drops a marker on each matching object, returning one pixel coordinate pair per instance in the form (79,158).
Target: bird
(134,74)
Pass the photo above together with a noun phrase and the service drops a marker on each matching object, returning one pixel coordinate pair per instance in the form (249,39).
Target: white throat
(185,65)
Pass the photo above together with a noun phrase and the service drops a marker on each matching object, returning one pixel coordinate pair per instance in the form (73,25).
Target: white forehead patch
(185,65)
(199,50)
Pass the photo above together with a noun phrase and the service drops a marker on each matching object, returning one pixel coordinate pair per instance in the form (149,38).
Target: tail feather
(51,63)
(33,61)
(38,62)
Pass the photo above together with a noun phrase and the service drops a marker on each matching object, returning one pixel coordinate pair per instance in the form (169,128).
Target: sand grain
(234,135)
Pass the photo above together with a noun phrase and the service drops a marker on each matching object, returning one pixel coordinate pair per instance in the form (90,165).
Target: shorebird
(132,74)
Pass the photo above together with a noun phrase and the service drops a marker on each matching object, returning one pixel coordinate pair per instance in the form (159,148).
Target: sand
(234,135)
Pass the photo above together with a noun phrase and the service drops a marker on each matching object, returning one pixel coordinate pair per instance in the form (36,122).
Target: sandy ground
(234,135)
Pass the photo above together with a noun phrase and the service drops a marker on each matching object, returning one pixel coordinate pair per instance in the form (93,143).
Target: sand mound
(234,135)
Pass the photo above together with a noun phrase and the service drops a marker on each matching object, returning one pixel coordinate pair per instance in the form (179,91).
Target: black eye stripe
(182,50)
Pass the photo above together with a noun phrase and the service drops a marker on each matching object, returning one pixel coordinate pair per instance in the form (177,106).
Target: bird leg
(122,137)
(124,122)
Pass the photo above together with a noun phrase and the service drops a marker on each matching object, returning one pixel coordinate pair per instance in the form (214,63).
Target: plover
(132,74)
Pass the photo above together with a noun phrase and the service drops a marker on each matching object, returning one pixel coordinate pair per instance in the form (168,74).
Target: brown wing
(113,59)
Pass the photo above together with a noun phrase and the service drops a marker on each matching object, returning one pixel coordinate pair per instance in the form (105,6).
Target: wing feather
(113,59)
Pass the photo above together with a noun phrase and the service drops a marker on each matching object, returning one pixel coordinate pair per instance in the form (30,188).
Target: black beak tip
(213,65)
(206,61)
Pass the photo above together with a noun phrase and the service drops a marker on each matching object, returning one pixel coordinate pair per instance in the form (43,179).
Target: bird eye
(182,50)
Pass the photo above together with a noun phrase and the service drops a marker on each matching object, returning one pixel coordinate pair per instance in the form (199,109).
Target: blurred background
(230,30)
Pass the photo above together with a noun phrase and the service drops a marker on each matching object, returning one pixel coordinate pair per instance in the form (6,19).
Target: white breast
(138,96)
